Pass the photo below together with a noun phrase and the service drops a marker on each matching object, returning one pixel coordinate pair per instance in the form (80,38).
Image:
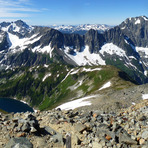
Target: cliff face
(123,46)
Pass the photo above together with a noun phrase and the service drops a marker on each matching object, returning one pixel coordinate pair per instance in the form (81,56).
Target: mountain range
(30,55)
(81,29)
(124,46)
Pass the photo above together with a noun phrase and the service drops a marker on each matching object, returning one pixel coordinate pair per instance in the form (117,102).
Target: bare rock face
(136,29)
(21,142)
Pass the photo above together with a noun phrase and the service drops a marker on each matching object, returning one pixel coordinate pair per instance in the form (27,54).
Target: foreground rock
(92,129)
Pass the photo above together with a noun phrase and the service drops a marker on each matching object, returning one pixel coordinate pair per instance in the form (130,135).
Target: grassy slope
(27,83)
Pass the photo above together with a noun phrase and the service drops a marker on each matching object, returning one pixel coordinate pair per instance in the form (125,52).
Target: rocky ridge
(92,129)
(123,46)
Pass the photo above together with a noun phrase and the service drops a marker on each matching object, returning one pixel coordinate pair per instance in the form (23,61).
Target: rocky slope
(92,129)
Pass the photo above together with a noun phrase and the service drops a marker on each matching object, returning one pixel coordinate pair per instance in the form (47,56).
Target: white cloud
(16,9)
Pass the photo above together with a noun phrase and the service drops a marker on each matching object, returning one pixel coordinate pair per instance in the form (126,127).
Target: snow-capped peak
(81,29)
(18,26)
(145,18)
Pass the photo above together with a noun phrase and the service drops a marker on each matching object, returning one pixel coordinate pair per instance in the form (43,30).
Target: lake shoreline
(10,104)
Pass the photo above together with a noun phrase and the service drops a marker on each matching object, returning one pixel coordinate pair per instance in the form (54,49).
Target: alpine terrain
(41,65)
(88,89)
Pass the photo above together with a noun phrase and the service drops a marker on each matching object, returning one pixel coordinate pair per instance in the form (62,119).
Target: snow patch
(74,72)
(46,66)
(80,82)
(90,70)
(15,27)
(44,49)
(76,103)
(144,96)
(85,57)
(132,57)
(46,76)
(146,19)
(137,21)
(111,49)
(108,84)
(67,75)
(123,27)
(145,73)
(16,42)
(142,49)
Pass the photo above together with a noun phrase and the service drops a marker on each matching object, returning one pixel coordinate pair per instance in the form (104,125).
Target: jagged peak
(21,23)
(15,26)
(136,20)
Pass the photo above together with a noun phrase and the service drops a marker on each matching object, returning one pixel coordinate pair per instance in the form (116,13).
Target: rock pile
(92,129)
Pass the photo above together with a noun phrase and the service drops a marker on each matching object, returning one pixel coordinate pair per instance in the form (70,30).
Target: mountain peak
(19,27)
(21,23)
(136,20)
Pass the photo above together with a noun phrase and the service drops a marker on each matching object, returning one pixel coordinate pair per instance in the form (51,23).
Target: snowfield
(142,49)
(108,84)
(15,42)
(111,49)
(137,21)
(76,103)
(144,96)
(85,57)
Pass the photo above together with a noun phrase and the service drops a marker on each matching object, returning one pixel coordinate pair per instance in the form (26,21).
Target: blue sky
(48,12)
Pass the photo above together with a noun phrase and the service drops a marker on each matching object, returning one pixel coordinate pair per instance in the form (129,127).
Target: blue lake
(11,105)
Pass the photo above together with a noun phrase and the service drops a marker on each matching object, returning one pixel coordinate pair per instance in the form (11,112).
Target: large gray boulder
(21,142)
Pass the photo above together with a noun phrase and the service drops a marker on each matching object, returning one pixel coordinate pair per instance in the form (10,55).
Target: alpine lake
(11,105)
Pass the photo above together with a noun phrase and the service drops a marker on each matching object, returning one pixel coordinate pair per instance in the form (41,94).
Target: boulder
(126,139)
(20,142)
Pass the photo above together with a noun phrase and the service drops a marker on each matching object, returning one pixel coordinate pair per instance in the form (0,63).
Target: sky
(71,12)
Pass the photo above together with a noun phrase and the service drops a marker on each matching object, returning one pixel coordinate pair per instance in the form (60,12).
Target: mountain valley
(40,65)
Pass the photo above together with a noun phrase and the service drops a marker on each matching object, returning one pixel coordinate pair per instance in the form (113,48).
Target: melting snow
(89,69)
(132,57)
(74,72)
(146,19)
(46,76)
(15,27)
(47,49)
(137,21)
(5,28)
(145,73)
(80,82)
(70,72)
(142,49)
(22,43)
(76,103)
(123,27)
(108,84)
(85,57)
(144,96)
(46,65)
(111,49)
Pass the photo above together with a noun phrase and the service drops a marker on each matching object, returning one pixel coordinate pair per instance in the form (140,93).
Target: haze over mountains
(81,29)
